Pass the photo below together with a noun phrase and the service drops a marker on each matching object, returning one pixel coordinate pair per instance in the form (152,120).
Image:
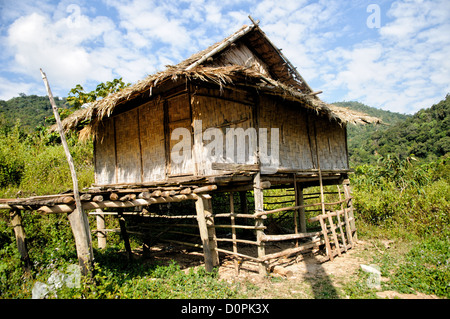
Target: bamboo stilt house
(233,118)
(242,82)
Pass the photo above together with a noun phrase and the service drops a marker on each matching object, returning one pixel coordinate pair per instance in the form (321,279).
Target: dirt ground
(308,275)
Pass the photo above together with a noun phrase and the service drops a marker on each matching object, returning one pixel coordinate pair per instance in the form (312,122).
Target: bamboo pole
(322,202)
(296,212)
(339,222)
(62,208)
(348,196)
(220,47)
(235,215)
(267,212)
(256,227)
(78,219)
(292,251)
(233,232)
(290,236)
(243,241)
(238,254)
(259,222)
(302,217)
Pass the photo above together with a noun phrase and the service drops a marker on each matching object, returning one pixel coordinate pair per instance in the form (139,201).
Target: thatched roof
(281,79)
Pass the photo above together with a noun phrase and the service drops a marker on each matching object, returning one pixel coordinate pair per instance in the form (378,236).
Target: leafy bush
(30,164)
(405,195)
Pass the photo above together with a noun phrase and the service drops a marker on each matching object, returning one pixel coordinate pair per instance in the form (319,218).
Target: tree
(78,97)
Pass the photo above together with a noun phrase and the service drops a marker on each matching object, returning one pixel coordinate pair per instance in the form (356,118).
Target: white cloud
(72,48)
(405,67)
(56,46)
(9,89)
(399,67)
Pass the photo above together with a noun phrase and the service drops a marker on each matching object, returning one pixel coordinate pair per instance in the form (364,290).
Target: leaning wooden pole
(78,219)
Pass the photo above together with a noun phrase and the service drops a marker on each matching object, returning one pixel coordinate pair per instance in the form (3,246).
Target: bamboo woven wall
(151,124)
(179,116)
(332,144)
(295,149)
(127,147)
(298,132)
(105,158)
(226,109)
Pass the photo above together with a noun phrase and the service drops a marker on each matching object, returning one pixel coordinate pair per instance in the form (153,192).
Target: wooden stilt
(327,240)
(101,235)
(209,217)
(83,242)
(124,233)
(243,201)
(19,232)
(339,220)
(297,211)
(203,208)
(348,195)
(233,232)
(259,222)
(302,214)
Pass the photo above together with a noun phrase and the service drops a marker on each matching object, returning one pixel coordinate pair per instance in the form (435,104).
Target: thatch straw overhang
(279,79)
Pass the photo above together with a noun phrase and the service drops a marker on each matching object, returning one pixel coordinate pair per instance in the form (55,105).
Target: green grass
(408,267)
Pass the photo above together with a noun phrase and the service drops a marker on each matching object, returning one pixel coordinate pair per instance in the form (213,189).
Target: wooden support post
(325,237)
(322,223)
(83,241)
(243,201)
(211,229)
(78,219)
(302,214)
(348,195)
(296,211)
(259,222)
(124,233)
(21,240)
(101,234)
(339,220)
(233,232)
(322,201)
(204,216)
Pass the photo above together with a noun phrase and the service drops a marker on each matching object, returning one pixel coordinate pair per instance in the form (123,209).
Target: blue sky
(392,55)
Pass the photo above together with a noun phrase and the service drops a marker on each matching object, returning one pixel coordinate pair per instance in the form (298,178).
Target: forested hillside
(426,134)
(30,110)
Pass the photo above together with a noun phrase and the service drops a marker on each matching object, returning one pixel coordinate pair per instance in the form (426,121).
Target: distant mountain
(31,110)
(426,134)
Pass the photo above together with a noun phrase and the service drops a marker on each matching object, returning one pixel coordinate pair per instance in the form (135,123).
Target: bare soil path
(310,275)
